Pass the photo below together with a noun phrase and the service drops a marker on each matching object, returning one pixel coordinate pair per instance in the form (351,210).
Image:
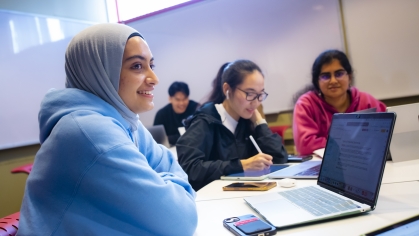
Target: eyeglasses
(252,96)
(340,74)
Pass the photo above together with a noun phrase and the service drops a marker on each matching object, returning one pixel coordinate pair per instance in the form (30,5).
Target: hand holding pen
(258,162)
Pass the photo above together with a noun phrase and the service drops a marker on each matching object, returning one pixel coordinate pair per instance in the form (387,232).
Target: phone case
(249,186)
(248,225)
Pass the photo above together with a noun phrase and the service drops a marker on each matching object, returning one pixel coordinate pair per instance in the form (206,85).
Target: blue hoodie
(89,177)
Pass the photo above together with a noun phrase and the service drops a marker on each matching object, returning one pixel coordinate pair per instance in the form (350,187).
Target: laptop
(404,145)
(305,170)
(373,109)
(159,135)
(255,175)
(349,179)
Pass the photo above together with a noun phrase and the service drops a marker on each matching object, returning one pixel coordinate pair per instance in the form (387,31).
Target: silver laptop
(308,169)
(404,145)
(350,174)
(159,135)
(304,170)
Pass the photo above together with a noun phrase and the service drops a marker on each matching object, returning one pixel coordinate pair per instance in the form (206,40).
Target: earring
(227,95)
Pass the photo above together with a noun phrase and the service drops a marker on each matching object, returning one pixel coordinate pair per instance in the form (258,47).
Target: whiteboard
(282,36)
(383,44)
(32,52)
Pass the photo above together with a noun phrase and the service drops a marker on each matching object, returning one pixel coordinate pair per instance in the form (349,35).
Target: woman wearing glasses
(217,142)
(329,93)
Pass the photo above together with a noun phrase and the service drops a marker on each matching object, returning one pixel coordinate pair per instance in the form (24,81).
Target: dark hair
(325,58)
(178,87)
(216,83)
(136,34)
(233,74)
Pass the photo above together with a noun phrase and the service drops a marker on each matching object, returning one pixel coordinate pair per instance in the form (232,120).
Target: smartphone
(248,225)
(294,158)
(249,186)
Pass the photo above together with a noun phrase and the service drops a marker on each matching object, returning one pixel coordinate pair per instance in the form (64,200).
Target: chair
(279,130)
(9,224)
(23,169)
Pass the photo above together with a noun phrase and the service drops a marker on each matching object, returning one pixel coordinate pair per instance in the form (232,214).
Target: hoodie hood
(353,92)
(59,103)
(93,62)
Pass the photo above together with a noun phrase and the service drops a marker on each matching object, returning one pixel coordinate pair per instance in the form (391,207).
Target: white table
(214,190)
(173,151)
(395,202)
(398,199)
(399,171)
(393,173)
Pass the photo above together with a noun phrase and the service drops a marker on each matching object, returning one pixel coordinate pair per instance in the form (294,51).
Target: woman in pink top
(329,93)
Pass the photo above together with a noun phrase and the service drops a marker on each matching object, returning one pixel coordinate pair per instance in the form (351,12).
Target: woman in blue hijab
(99,171)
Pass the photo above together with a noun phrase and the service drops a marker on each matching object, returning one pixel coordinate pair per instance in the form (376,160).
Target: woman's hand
(258,162)
(256,116)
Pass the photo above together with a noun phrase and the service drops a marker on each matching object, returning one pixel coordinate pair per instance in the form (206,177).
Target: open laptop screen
(355,152)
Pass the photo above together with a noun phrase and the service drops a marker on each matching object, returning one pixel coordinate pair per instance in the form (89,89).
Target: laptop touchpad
(272,211)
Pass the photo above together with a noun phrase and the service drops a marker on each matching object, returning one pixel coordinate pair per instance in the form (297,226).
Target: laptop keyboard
(310,171)
(317,202)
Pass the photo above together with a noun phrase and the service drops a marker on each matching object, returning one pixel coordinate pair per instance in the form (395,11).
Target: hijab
(93,63)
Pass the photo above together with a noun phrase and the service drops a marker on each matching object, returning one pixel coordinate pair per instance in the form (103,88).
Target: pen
(254,143)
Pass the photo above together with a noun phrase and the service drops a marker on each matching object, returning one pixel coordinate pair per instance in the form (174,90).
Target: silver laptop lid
(159,135)
(408,117)
(355,155)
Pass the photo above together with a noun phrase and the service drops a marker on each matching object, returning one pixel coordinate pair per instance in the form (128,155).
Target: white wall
(190,43)
(33,38)
(282,37)
(383,42)
(85,10)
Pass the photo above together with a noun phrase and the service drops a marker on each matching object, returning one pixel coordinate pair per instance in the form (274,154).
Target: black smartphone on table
(248,225)
(296,158)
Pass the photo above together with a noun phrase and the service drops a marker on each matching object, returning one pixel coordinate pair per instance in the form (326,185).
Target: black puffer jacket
(208,150)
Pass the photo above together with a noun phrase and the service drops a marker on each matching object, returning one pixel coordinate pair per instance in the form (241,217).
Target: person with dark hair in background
(330,92)
(216,141)
(216,83)
(180,107)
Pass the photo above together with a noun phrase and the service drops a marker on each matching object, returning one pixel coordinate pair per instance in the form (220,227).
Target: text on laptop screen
(355,154)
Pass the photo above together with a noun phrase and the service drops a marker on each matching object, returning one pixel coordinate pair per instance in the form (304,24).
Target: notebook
(255,175)
(159,135)
(404,145)
(349,179)
(305,170)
